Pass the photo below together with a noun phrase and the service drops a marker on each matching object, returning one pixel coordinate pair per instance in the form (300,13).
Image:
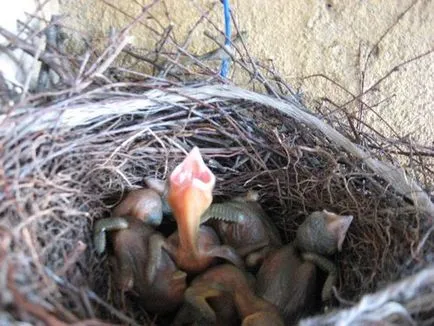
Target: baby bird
(223,295)
(143,204)
(189,195)
(142,267)
(288,276)
(242,224)
(209,249)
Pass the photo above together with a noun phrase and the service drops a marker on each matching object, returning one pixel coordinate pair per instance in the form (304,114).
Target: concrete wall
(305,37)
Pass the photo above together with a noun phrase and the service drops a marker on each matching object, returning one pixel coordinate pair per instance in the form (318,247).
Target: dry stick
(391,71)
(254,75)
(357,134)
(163,82)
(223,52)
(373,49)
(191,59)
(42,314)
(144,8)
(108,56)
(379,146)
(164,39)
(96,70)
(62,282)
(197,60)
(375,46)
(151,61)
(73,257)
(166,66)
(380,305)
(187,40)
(187,60)
(427,153)
(34,309)
(166,13)
(395,176)
(32,71)
(277,78)
(25,25)
(355,97)
(31,50)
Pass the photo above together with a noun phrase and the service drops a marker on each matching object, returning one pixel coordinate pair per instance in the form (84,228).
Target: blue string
(227,13)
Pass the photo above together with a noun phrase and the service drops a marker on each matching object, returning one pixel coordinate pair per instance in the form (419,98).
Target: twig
(91,295)
(48,59)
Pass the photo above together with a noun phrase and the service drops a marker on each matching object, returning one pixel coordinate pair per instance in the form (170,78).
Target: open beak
(338,226)
(190,194)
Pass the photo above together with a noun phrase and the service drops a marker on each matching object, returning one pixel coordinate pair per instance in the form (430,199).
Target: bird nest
(69,155)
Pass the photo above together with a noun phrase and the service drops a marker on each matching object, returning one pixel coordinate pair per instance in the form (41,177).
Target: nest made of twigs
(60,179)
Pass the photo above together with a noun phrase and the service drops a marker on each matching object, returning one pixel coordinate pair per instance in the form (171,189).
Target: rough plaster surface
(306,37)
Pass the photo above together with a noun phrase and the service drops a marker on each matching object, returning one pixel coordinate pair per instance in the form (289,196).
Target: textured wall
(305,37)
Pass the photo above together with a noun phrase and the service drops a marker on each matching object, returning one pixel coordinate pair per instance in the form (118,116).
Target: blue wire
(224,70)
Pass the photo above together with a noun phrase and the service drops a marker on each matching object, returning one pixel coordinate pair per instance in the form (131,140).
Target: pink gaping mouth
(193,172)
(190,194)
